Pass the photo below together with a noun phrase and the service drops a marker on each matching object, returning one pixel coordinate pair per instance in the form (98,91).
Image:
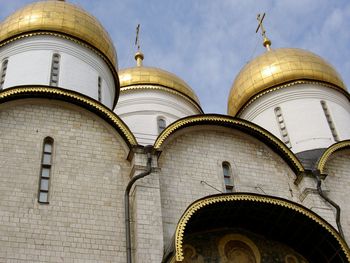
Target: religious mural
(237,246)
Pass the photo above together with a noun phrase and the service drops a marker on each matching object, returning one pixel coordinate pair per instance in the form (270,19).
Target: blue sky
(207,42)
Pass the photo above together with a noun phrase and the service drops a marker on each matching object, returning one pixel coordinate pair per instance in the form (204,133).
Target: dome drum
(33,35)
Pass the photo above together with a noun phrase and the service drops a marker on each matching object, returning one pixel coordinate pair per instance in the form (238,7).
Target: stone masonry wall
(337,184)
(197,155)
(84,221)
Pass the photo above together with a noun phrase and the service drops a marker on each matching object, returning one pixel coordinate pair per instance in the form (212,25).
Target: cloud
(207,42)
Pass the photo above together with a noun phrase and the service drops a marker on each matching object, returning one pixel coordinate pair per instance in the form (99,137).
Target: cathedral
(101,164)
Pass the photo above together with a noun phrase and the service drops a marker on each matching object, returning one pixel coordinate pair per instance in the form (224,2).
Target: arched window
(330,121)
(45,171)
(161,124)
(3,72)
(55,68)
(99,87)
(282,126)
(228,180)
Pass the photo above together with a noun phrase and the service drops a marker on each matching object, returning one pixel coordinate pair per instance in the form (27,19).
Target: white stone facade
(142,107)
(95,155)
(304,118)
(84,220)
(79,67)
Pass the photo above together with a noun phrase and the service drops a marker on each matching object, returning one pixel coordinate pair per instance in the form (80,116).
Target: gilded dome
(141,75)
(277,67)
(59,17)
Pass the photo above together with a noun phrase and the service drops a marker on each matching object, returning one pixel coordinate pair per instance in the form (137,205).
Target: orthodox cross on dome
(139,55)
(267,42)
(137,40)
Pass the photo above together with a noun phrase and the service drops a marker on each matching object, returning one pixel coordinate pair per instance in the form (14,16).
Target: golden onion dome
(59,17)
(141,75)
(278,67)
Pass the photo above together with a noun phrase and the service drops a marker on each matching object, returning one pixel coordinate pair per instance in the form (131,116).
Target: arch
(226,121)
(275,218)
(330,150)
(55,93)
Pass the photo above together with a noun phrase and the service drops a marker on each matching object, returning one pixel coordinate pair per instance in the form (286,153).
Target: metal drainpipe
(337,207)
(148,150)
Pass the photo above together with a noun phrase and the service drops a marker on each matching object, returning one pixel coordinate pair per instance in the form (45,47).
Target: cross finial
(137,40)
(267,42)
(138,55)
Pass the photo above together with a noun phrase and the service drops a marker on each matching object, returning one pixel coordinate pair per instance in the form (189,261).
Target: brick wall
(338,184)
(84,221)
(197,155)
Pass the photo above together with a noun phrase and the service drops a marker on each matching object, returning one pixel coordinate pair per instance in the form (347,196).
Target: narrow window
(55,69)
(282,126)
(228,180)
(3,72)
(99,83)
(161,124)
(45,172)
(330,121)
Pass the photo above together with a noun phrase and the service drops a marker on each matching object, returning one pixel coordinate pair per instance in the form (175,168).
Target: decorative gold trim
(170,90)
(118,124)
(59,16)
(292,83)
(110,64)
(224,120)
(199,204)
(331,149)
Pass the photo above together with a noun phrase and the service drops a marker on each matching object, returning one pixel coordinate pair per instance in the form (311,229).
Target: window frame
(228,176)
(282,126)
(330,121)
(99,89)
(3,71)
(161,120)
(43,177)
(55,69)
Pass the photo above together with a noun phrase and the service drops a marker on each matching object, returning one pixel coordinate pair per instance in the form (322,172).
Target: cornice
(131,88)
(227,121)
(55,93)
(289,84)
(330,150)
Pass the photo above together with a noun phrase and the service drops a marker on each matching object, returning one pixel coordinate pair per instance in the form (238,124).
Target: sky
(207,42)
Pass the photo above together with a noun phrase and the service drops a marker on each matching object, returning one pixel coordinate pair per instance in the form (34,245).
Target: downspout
(332,203)
(148,150)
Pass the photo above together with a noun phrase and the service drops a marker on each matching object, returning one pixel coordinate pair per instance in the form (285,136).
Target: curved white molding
(295,92)
(303,114)
(88,66)
(139,109)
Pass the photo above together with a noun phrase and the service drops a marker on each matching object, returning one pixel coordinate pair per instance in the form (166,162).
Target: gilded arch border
(74,97)
(227,121)
(199,204)
(330,150)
